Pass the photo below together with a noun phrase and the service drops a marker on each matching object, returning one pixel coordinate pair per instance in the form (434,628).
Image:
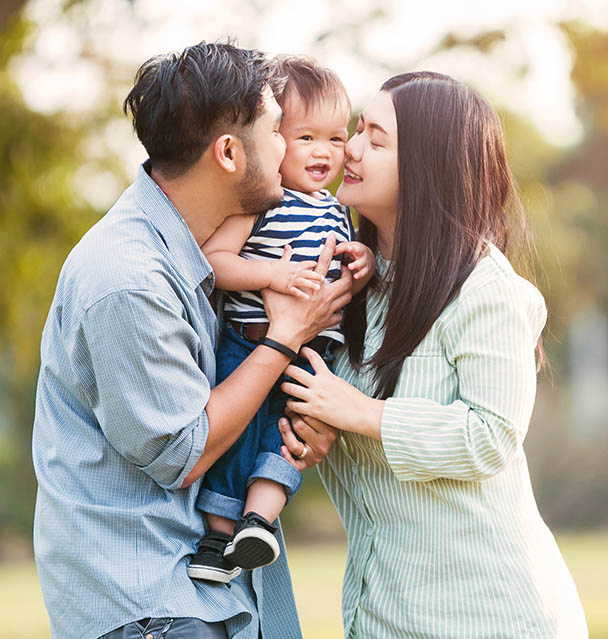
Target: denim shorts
(163,628)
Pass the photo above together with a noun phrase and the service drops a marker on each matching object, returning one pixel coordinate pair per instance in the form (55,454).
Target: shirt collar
(173,229)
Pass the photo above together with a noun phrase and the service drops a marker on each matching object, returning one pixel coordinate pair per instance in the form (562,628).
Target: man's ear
(226,151)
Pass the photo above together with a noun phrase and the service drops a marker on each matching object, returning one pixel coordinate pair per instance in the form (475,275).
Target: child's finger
(296,292)
(343,247)
(304,282)
(311,275)
(357,265)
(308,265)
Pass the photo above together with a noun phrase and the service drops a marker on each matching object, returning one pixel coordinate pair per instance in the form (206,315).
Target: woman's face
(371,176)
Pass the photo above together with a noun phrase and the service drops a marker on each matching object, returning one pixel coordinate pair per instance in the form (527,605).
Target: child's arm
(235,273)
(362,264)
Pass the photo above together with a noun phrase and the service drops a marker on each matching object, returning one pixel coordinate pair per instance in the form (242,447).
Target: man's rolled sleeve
(149,392)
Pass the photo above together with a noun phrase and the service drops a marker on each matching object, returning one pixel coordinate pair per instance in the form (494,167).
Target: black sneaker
(209,562)
(254,543)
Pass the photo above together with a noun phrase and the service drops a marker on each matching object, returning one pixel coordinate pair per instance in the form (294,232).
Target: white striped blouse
(445,540)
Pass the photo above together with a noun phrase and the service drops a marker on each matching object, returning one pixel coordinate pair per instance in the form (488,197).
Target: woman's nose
(353,149)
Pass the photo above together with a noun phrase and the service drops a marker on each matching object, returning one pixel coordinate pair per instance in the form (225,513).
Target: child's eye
(338,139)
(307,138)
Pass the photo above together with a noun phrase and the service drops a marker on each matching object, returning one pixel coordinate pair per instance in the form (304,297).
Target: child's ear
(226,151)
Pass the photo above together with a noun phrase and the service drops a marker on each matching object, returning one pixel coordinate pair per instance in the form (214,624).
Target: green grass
(317,575)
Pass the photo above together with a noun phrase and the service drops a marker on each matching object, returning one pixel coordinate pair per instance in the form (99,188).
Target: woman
(435,391)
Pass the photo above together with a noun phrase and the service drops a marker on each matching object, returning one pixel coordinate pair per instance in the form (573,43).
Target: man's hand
(318,436)
(295,321)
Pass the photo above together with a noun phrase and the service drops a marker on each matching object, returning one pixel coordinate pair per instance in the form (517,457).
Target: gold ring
(303,453)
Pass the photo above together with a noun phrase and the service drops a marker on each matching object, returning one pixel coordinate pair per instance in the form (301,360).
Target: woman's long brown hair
(456,195)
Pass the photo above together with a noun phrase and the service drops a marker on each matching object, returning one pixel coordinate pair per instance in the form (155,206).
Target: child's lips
(318,171)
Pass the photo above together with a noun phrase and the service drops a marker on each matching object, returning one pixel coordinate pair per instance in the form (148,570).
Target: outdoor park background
(67,152)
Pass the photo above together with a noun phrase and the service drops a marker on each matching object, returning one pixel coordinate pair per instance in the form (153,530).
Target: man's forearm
(233,403)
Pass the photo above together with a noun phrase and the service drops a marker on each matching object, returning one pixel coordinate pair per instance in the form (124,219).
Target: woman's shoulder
(494,282)
(495,271)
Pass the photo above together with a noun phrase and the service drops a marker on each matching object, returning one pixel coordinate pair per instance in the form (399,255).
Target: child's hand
(295,278)
(362,261)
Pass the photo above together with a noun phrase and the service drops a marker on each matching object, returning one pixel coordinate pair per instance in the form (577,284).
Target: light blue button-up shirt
(127,364)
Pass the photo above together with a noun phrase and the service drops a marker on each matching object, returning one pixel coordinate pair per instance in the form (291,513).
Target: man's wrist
(290,340)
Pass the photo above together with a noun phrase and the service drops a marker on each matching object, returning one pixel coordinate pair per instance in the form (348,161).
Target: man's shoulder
(121,252)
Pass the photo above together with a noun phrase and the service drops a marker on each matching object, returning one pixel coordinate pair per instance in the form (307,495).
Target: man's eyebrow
(373,125)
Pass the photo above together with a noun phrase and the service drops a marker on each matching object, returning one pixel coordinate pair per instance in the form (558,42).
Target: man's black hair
(180,101)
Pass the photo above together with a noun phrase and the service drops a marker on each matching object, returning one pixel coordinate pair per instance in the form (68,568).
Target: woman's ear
(226,151)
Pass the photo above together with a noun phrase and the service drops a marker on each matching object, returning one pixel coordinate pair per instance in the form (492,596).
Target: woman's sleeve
(491,341)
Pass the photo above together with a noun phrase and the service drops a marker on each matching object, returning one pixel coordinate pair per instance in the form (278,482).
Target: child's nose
(321,150)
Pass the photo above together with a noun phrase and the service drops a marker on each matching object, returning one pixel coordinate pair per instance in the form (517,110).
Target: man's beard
(253,193)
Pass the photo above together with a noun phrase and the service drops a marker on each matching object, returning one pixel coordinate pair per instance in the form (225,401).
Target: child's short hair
(310,81)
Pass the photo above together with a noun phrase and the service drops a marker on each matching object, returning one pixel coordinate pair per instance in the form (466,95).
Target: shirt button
(149,636)
(370,532)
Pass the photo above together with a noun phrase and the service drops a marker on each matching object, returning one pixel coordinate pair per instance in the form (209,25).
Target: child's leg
(272,480)
(224,488)
(217,523)
(267,498)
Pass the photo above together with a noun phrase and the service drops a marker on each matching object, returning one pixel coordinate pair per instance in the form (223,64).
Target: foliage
(42,218)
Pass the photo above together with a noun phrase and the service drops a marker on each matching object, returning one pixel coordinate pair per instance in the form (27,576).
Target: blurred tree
(42,218)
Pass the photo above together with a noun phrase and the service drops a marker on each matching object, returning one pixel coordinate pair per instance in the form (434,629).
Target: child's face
(315,143)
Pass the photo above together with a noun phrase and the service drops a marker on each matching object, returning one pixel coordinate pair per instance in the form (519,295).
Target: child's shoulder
(295,198)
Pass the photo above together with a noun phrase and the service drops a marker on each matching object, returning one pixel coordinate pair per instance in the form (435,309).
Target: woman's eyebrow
(373,125)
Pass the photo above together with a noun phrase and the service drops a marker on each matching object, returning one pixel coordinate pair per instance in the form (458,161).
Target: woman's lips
(350,177)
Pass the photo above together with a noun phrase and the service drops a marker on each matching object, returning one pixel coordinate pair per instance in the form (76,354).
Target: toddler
(277,249)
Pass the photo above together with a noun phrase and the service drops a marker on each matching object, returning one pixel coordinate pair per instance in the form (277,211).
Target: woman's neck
(386,237)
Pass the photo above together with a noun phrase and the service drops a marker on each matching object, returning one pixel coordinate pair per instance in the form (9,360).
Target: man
(127,415)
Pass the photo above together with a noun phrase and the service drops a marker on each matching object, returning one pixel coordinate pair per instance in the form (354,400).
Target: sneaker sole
(253,548)
(212,574)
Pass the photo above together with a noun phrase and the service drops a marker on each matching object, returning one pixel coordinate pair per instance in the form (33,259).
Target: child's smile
(315,140)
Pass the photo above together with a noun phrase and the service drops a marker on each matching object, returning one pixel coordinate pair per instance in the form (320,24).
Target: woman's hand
(318,436)
(329,398)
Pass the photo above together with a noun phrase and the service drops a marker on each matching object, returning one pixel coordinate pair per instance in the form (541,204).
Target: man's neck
(202,204)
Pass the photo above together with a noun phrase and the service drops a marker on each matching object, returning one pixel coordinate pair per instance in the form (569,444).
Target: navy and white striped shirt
(302,221)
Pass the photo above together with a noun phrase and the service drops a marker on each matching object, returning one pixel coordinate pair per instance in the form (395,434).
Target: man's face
(260,188)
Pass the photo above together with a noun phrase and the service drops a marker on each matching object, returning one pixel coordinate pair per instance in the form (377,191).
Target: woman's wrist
(367,416)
